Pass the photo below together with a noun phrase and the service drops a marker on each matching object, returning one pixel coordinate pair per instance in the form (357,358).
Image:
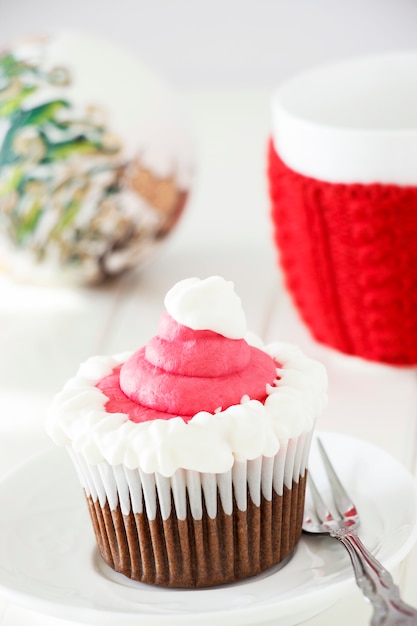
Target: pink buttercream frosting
(182,371)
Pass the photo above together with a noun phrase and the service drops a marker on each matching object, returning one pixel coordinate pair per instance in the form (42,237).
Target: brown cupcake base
(200,553)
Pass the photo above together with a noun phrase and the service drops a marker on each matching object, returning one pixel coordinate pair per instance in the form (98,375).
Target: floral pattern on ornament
(67,193)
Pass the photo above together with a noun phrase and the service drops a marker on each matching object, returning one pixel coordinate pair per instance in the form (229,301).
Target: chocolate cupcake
(192,451)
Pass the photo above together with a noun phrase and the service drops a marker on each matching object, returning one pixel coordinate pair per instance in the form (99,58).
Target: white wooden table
(45,333)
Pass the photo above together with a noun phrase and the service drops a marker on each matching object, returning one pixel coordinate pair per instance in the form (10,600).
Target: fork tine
(373,579)
(342,499)
(322,511)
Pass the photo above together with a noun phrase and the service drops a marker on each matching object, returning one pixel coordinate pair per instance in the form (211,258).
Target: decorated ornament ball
(96,160)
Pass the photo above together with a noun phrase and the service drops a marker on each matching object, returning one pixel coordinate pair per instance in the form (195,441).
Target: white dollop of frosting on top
(208,442)
(209,304)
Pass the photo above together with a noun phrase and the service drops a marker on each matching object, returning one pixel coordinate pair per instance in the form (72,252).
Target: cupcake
(192,451)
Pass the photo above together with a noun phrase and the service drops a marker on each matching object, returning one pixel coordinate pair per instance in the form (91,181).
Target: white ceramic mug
(343,184)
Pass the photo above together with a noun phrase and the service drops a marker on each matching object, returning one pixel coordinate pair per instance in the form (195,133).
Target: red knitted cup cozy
(349,256)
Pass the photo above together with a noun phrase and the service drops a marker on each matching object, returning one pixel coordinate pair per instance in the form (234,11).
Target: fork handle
(376,584)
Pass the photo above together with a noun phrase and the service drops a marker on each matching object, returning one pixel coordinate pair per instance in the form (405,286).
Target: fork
(372,578)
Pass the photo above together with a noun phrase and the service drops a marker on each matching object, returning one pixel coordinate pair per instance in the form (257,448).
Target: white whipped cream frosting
(210,304)
(208,442)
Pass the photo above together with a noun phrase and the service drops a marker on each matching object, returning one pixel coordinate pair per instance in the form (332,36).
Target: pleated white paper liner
(197,529)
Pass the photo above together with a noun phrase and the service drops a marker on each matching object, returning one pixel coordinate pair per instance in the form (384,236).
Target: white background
(226,42)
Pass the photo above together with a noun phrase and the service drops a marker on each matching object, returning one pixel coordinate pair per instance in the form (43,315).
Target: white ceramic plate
(49,563)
